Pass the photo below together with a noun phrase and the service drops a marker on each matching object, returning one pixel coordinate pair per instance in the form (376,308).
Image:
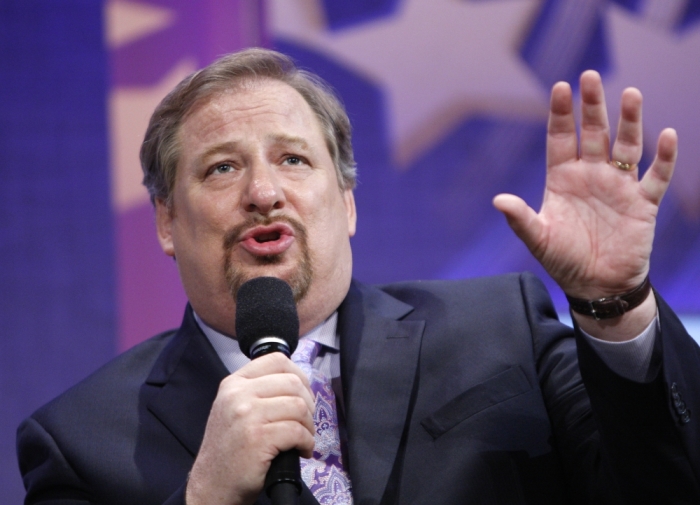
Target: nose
(263,192)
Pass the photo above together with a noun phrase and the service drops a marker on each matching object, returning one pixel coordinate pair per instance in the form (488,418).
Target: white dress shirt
(628,359)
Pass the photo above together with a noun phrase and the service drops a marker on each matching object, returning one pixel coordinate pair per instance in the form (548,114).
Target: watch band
(611,306)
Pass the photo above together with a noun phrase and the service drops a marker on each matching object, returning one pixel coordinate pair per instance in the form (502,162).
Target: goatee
(300,280)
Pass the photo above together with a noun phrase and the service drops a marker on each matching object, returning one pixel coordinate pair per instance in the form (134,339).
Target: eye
(222,168)
(294,160)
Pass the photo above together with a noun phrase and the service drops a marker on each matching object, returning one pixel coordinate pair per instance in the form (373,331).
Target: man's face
(256,194)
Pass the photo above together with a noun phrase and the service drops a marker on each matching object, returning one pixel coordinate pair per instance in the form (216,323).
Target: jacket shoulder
(510,308)
(487,295)
(111,384)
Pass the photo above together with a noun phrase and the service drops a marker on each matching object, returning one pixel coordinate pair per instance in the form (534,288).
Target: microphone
(267,321)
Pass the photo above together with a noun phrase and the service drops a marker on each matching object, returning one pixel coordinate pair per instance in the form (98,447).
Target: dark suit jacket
(455,393)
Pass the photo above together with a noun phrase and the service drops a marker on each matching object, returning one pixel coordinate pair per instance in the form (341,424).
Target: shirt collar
(233,358)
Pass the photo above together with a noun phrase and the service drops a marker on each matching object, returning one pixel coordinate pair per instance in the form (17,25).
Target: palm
(595,229)
(595,226)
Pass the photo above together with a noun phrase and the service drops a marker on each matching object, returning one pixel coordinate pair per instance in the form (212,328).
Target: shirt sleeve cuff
(628,359)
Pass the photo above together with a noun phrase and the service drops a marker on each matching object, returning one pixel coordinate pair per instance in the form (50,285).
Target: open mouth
(267,237)
(268,240)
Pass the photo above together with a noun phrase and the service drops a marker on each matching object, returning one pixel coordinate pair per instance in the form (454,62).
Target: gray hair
(160,151)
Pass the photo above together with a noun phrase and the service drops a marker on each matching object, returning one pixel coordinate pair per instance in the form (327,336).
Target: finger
(521,218)
(287,435)
(656,180)
(286,408)
(234,388)
(561,128)
(252,411)
(269,364)
(595,130)
(628,144)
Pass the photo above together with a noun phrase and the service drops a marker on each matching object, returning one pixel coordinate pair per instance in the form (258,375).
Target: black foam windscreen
(265,308)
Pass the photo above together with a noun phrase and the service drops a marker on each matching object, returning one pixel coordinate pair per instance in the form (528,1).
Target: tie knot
(306,351)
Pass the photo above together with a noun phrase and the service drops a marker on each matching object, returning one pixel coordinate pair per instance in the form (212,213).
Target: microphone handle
(283,479)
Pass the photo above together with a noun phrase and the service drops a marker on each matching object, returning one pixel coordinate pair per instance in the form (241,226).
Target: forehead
(252,109)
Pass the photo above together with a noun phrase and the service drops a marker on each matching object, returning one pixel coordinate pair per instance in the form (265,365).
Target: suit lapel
(187,377)
(379,358)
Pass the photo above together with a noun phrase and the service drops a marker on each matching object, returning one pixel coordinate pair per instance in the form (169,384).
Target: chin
(298,276)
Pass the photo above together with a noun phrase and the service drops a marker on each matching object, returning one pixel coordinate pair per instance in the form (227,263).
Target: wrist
(621,328)
(611,307)
(200,491)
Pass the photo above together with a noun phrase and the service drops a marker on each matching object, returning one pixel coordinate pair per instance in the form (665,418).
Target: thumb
(521,218)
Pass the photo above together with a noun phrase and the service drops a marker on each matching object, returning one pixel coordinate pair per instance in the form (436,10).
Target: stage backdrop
(448,99)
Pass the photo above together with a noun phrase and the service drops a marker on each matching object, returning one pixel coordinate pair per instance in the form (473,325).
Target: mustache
(300,280)
(234,234)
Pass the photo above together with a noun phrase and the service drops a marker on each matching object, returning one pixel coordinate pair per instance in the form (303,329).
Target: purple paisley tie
(324,473)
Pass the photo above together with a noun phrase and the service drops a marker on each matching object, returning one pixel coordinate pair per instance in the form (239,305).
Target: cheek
(201,222)
(330,223)
(219,212)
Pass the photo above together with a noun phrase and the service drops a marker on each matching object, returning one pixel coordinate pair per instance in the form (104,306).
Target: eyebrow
(290,140)
(224,147)
(231,146)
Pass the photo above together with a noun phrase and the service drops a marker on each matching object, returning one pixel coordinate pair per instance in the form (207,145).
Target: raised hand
(595,229)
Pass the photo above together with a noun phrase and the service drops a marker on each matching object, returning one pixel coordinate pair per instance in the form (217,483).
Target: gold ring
(627,167)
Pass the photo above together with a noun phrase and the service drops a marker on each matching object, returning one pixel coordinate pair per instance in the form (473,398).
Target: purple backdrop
(56,241)
(448,100)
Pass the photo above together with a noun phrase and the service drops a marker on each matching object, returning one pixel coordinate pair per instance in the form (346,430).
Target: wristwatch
(611,306)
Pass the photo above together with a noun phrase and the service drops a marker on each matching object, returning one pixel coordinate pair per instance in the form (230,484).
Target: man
(463,392)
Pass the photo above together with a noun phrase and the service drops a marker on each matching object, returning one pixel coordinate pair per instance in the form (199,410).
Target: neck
(319,304)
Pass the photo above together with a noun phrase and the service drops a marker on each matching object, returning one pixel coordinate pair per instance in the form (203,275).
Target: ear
(164,227)
(349,199)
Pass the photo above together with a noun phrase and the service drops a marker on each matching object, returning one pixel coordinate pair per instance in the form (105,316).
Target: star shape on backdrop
(130,107)
(126,22)
(437,60)
(666,72)
(154,44)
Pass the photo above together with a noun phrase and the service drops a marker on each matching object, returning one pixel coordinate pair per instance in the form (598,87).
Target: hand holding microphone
(262,410)
(267,322)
